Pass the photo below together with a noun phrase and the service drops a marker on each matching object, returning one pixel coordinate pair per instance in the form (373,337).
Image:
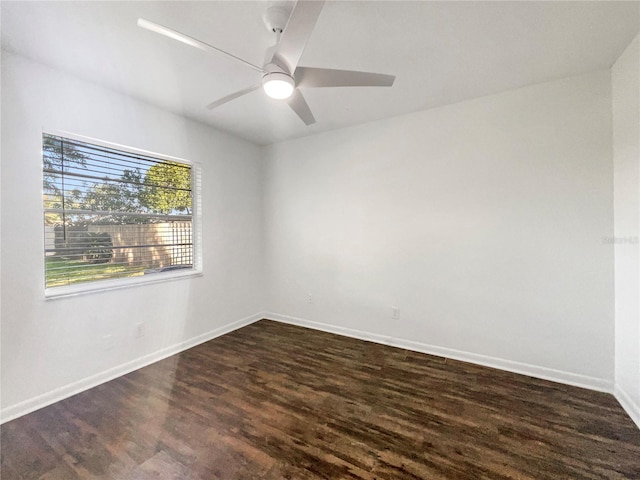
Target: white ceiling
(441,53)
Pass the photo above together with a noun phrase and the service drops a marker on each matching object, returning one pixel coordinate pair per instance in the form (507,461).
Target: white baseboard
(559,376)
(592,383)
(14,411)
(631,407)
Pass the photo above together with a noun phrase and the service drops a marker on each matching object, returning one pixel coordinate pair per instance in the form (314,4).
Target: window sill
(116,284)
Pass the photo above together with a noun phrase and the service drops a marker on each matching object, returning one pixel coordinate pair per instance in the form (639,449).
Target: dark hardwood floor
(276,401)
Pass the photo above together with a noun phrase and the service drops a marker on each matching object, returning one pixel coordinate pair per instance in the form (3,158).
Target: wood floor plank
(277,401)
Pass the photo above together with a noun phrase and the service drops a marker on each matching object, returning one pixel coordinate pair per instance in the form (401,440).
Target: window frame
(129,282)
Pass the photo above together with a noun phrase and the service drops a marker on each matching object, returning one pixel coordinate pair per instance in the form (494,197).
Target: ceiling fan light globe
(278,85)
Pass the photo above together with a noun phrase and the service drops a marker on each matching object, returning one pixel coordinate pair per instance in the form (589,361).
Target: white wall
(482,221)
(626,149)
(52,348)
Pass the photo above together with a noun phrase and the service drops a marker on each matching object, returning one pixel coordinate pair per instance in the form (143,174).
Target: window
(113,214)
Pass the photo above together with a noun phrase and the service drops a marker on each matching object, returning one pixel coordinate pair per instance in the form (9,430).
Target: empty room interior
(320,240)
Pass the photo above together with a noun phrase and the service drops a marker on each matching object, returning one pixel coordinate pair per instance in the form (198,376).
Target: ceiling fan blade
(299,105)
(194,42)
(232,96)
(296,34)
(327,77)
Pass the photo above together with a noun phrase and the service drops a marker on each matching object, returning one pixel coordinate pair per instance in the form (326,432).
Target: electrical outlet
(309,298)
(139,332)
(395,313)
(108,342)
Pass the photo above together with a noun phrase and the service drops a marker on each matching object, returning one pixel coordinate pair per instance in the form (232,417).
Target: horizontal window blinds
(110,213)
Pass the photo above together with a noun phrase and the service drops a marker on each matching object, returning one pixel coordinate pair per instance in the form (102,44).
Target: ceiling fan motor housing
(278,84)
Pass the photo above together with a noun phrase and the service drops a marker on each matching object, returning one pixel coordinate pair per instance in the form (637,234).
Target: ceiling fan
(281,75)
